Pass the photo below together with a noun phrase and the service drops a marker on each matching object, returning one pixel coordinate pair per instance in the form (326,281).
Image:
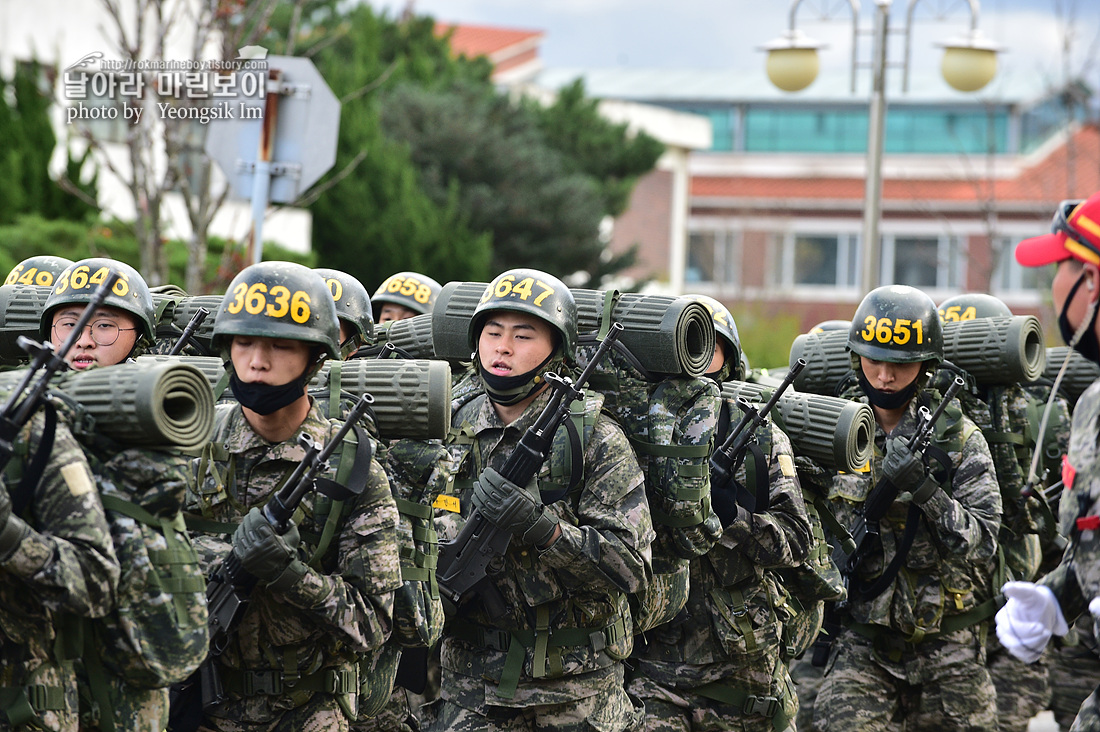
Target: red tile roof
(482,40)
(1051,178)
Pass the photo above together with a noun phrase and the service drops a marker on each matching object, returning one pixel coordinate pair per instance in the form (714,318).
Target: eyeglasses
(104,332)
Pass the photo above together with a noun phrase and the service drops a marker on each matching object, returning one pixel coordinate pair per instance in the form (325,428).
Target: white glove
(1028,619)
(1094,607)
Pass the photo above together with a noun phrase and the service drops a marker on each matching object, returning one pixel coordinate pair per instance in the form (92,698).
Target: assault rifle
(851,550)
(728,457)
(44,363)
(229,589)
(464,561)
(188,331)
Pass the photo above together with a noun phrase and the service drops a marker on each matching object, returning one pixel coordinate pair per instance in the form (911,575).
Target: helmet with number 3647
(533,292)
(278,300)
(897,323)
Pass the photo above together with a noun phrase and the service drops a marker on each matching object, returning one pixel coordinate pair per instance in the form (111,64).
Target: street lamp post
(969,64)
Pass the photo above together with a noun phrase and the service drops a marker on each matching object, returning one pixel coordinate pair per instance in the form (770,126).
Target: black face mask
(264,398)
(1084,341)
(883,400)
(509,390)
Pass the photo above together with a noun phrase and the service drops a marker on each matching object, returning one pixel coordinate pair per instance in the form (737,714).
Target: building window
(712,257)
(924,261)
(818,260)
(1010,276)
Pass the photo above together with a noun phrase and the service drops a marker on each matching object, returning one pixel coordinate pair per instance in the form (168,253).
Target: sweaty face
(889,377)
(392,311)
(106,341)
(271,361)
(512,344)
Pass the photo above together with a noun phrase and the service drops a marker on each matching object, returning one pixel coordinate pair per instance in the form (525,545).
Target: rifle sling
(880,583)
(37,465)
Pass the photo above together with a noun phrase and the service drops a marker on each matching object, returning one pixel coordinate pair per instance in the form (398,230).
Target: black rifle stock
(45,362)
(727,458)
(188,331)
(464,561)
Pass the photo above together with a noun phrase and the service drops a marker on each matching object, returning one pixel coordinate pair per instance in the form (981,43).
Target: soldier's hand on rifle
(905,469)
(513,508)
(12,528)
(265,553)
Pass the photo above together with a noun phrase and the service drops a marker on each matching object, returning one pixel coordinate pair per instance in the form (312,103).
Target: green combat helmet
(412,290)
(826,326)
(353,306)
(535,293)
(78,282)
(896,323)
(279,300)
(972,306)
(726,329)
(41,270)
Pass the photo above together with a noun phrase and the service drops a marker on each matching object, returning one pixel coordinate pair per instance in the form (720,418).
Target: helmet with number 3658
(533,292)
(413,290)
(897,323)
(278,300)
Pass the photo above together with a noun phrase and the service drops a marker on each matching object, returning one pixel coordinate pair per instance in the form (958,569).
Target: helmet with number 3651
(78,282)
(535,293)
(897,323)
(278,300)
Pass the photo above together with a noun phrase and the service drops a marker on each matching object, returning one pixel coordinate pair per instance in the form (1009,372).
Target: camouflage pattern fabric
(66,565)
(341,610)
(807,680)
(155,637)
(731,631)
(1074,670)
(947,572)
(578,584)
(1023,689)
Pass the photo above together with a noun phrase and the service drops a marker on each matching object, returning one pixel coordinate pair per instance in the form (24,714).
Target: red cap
(1075,233)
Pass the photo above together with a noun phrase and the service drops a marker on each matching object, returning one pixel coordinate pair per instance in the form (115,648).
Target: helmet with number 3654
(897,323)
(78,282)
(278,300)
(535,293)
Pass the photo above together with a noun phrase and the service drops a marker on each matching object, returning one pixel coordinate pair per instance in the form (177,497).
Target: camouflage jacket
(949,567)
(343,607)
(577,586)
(1076,580)
(65,565)
(736,607)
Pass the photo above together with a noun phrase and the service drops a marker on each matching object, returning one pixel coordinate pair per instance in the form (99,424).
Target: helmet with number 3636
(897,323)
(78,282)
(413,290)
(278,300)
(535,293)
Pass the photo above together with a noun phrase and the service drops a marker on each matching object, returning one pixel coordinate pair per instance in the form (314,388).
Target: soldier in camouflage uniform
(1036,611)
(57,564)
(323,605)
(541,645)
(1009,417)
(911,653)
(719,664)
(154,480)
(404,295)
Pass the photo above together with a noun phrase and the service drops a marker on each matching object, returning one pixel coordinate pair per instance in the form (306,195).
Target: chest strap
(273,682)
(751,705)
(21,705)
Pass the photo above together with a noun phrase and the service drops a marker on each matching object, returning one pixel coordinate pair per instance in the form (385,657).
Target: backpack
(670,422)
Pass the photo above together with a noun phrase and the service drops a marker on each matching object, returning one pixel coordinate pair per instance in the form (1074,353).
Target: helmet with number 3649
(897,323)
(533,292)
(278,300)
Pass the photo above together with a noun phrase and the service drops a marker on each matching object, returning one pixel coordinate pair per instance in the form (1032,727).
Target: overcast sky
(720,34)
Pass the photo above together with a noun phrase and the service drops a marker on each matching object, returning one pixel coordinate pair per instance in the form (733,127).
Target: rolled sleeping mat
(594,308)
(21,309)
(211,367)
(454,307)
(1080,373)
(827,361)
(146,405)
(837,434)
(187,307)
(411,336)
(412,397)
(1004,350)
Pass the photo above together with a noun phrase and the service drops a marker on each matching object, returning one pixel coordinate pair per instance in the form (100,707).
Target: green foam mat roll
(1080,372)
(827,361)
(454,307)
(211,367)
(21,309)
(412,397)
(187,307)
(1005,350)
(837,434)
(144,404)
(412,336)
